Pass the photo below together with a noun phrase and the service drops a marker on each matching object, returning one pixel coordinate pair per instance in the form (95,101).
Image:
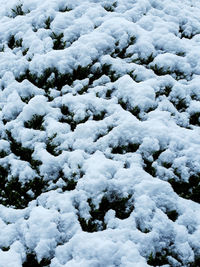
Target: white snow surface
(99,133)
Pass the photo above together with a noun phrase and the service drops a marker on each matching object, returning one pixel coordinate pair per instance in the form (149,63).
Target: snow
(99,133)
(8,258)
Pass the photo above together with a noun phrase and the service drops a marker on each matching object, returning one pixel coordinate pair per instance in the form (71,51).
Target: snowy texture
(99,133)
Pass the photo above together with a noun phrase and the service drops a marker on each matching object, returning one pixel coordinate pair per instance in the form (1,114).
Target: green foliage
(48,23)
(126,106)
(65,9)
(31,261)
(172,215)
(58,43)
(146,61)
(196,262)
(23,153)
(65,110)
(132,40)
(149,168)
(133,76)
(35,123)
(160,70)
(51,146)
(51,78)
(109,93)
(135,111)
(27,98)
(158,259)
(195,95)
(81,73)
(24,52)
(17,11)
(99,115)
(14,193)
(3,174)
(69,182)
(163,257)
(83,90)
(3,154)
(180,104)
(164,91)
(179,75)
(195,119)
(188,190)
(105,69)
(186,34)
(13,43)
(43,81)
(35,164)
(148,164)
(69,118)
(180,54)
(123,149)
(70,185)
(18,43)
(2,48)
(112,201)
(5,248)
(157,153)
(99,135)
(167,165)
(110,8)
(17,148)
(121,51)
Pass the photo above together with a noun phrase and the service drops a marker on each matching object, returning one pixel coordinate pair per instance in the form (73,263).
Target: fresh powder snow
(99,133)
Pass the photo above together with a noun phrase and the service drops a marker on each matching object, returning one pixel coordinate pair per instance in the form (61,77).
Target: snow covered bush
(99,133)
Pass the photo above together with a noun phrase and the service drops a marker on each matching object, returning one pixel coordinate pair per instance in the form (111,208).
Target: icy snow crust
(99,129)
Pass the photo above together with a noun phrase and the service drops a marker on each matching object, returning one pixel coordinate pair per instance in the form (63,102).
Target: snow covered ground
(99,133)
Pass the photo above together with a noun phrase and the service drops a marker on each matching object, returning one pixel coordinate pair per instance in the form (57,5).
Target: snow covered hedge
(99,133)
